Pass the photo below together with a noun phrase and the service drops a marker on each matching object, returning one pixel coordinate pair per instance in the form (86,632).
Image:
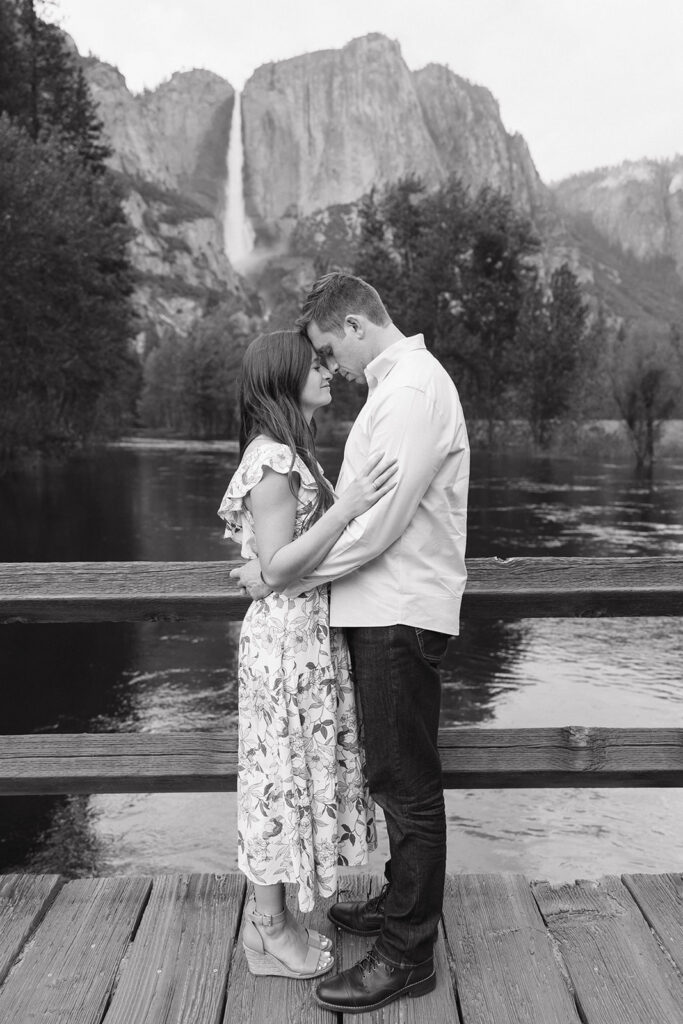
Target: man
(397,573)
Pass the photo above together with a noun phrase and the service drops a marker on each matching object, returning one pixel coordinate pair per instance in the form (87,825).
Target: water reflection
(184,679)
(161,505)
(479,666)
(562,509)
(561,835)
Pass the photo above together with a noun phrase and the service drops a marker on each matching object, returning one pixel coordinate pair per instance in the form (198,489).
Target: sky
(588,83)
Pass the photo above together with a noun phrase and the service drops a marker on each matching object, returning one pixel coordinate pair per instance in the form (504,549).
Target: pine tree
(65,319)
(65,277)
(13,76)
(42,85)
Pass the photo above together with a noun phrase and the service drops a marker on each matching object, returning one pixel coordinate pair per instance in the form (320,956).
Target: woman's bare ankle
(270,901)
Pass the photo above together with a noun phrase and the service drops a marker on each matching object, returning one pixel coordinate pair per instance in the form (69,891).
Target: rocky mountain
(175,136)
(464,123)
(637,206)
(169,148)
(323,128)
(318,132)
(627,223)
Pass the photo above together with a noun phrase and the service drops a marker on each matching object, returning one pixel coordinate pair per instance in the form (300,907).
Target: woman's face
(316,390)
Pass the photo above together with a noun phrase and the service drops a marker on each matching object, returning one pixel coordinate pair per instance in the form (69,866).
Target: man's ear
(357,323)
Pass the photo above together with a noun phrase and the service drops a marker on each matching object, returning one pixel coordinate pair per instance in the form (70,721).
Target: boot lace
(377,902)
(371,961)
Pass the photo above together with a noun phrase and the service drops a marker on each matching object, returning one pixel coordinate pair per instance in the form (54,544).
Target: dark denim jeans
(397,681)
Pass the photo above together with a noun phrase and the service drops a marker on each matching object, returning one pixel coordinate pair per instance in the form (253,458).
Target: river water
(159,503)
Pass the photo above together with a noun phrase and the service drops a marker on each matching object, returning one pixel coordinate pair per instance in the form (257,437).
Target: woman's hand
(377,479)
(250,580)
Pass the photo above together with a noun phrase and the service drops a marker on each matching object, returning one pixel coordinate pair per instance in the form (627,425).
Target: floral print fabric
(303,806)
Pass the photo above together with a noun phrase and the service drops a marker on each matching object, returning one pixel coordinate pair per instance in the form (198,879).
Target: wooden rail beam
(496,588)
(118,763)
(570,756)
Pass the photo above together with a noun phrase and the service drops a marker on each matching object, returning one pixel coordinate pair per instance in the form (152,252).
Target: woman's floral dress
(303,806)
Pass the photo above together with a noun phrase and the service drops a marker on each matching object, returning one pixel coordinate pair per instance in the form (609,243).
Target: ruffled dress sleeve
(239,523)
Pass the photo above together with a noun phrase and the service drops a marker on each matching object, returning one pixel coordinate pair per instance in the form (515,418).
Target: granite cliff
(323,128)
(637,206)
(464,123)
(168,148)
(175,136)
(318,132)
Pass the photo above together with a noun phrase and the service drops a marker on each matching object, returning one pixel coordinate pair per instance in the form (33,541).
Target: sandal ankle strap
(266,920)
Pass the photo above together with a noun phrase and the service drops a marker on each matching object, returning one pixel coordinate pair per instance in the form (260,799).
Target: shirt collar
(381,365)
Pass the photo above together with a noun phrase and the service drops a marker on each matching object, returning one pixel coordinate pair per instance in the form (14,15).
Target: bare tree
(645,370)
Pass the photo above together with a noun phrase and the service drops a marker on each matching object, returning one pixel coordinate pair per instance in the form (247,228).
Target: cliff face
(322,129)
(170,148)
(325,127)
(175,136)
(637,206)
(319,131)
(470,139)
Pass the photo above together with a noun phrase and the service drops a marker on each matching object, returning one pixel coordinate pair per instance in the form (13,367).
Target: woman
(302,802)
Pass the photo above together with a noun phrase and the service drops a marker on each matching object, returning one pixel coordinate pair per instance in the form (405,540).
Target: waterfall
(238,232)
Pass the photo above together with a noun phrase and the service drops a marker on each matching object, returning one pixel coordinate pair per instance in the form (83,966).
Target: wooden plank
(571,756)
(504,964)
(118,763)
(68,970)
(437,1007)
(177,969)
(660,899)
(255,1000)
(24,899)
(618,971)
(497,587)
(569,587)
(118,591)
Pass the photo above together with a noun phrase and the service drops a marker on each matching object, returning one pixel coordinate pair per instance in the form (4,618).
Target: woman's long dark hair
(274,370)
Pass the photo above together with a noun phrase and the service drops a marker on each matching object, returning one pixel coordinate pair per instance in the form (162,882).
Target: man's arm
(281,555)
(408,428)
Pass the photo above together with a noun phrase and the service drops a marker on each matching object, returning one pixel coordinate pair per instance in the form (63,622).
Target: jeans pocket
(432,645)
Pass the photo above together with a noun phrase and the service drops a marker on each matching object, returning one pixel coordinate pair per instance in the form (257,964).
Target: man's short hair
(334,296)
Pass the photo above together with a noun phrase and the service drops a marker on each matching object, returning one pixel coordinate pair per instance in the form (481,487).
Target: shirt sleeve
(407,427)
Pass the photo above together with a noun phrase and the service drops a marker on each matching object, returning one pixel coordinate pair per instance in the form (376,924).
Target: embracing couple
(339,691)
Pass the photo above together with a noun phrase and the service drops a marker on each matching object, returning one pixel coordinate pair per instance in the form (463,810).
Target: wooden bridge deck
(166,950)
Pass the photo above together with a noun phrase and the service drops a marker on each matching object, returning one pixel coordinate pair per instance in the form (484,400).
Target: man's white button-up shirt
(403,561)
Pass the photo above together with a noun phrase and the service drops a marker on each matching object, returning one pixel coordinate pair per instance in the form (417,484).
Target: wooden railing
(480,758)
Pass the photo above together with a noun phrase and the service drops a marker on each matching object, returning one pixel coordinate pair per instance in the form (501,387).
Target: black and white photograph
(341,512)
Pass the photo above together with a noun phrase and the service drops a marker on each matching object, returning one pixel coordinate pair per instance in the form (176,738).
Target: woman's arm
(273,507)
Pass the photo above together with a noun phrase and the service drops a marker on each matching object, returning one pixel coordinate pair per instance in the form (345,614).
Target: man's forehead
(321,341)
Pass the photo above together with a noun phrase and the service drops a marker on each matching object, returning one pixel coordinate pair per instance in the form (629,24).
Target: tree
(455,268)
(65,319)
(410,246)
(549,341)
(191,384)
(42,85)
(14,82)
(646,371)
(495,274)
(66,322)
